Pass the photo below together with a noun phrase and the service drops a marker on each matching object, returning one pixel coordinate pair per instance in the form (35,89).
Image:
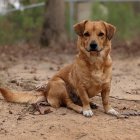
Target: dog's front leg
(105,99)
(85,102)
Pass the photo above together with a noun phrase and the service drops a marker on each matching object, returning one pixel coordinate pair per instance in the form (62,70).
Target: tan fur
(22,97)
(87,76)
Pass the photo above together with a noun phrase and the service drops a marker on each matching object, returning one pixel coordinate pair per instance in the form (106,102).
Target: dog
(89,74)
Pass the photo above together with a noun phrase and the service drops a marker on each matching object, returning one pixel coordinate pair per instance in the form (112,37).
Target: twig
(122,99)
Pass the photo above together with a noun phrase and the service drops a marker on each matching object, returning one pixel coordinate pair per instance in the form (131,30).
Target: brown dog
(87,76)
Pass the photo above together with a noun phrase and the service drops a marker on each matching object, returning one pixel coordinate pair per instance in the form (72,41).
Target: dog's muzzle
(93,47)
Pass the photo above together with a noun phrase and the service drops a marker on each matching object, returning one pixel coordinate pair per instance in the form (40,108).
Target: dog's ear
(110,30)
(79,27)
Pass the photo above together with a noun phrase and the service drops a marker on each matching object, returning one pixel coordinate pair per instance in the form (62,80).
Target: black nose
(93,45)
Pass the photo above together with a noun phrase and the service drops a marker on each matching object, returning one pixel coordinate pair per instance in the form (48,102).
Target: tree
(53,32)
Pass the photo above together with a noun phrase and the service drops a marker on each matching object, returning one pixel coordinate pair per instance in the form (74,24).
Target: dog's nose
(93,45)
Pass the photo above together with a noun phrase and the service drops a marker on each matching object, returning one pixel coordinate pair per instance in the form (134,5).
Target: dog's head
(94,35)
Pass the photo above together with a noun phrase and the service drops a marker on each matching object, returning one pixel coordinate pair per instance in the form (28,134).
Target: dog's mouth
(94,50)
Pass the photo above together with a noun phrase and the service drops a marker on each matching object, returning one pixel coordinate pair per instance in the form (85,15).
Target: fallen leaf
(42,108)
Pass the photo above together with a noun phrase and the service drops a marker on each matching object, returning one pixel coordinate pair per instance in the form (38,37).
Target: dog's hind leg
(93,105)
(58,95)
(73,106)
(53,100)
(57,92)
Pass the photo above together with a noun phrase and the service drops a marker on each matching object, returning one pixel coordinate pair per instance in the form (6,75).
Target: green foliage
(26,26)
(122,15)
(21,26)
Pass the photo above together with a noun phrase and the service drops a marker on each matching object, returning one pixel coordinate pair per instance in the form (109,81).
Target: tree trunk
(136,7)
(53,32)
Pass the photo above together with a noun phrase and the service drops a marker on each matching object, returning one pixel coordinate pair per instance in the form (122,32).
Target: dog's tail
(22,97)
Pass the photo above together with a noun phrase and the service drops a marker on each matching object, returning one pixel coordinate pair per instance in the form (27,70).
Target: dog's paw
(93,105)
(113,112)
(88,113)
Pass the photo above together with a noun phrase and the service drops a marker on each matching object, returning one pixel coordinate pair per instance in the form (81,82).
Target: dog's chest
(96,78)
(96,71)
(94,82)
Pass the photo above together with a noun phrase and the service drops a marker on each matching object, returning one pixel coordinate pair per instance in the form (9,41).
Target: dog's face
(94,35)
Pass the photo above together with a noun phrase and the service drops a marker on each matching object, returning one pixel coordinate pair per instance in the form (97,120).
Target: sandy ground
(28,68)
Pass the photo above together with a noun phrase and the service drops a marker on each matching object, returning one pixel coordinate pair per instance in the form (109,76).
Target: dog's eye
(86,34)
(101,34)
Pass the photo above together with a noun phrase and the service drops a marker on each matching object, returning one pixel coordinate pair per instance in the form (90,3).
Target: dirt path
(26,71)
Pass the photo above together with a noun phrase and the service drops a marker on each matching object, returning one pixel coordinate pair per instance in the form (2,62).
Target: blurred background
(30,21)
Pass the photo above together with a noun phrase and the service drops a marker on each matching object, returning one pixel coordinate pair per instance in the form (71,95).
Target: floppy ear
(79,27)
(110,30)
